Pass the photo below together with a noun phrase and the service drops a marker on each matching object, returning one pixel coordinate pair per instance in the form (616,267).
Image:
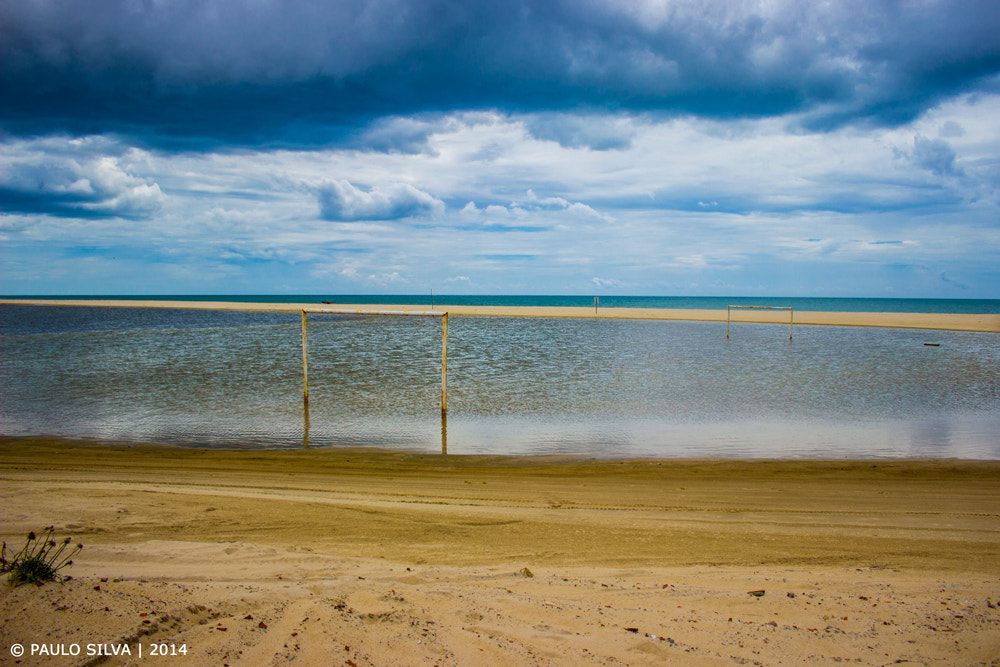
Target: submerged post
(305,361)
(444,432)
(444,363)
(305,426)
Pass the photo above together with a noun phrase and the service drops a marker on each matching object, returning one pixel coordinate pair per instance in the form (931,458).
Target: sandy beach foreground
(941,321)
(361,557)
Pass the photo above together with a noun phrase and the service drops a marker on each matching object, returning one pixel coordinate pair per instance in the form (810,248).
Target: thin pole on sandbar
(305,362)
(444,363)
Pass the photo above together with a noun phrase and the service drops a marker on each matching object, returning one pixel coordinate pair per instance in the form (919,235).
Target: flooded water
(604,388)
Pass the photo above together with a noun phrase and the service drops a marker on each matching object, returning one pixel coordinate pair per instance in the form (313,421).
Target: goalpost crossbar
(347,311)
(396,313)
(790,309)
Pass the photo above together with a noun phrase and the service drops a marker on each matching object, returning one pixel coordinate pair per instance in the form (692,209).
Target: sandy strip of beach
(366,557)
(943,321)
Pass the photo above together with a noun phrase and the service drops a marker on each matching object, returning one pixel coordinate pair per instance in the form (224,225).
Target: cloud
(606,282)
(197,74)
(342,201)
(409,135)
(386,278)
(951,130)
(530,213)
(692,206)
(75,179)
(936,156)
(596,132)
(534,202)
(952,281)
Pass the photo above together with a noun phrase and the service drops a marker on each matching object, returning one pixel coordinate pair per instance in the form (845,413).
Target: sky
(842,148)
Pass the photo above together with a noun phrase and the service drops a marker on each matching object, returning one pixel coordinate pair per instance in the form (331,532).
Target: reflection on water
(305,425)
(582,386)
(444,432)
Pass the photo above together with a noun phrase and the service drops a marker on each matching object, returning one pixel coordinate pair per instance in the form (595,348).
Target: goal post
(395,313)
(790,309)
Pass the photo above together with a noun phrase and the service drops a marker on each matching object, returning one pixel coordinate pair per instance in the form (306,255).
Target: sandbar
(367,557)
(942,321)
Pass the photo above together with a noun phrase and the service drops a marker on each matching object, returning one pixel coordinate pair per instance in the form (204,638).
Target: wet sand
(943,321)
(365,557)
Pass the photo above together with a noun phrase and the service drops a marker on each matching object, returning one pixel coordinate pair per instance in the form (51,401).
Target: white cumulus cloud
(340,200)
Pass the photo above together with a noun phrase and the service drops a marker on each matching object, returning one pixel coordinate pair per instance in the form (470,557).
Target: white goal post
(791,315)
(397,313)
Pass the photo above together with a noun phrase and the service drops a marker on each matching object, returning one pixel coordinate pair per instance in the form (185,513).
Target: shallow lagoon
(605,388)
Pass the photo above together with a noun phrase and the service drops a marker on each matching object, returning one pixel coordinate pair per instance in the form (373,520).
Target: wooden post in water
(791,316)
(305,361)
(444,363)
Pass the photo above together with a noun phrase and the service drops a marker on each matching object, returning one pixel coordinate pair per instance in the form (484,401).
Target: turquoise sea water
(683,302)
(606,388)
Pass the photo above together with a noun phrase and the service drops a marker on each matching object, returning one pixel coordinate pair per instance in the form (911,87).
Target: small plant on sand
(39,560)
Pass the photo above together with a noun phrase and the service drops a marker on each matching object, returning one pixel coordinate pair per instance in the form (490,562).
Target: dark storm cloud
(197,74)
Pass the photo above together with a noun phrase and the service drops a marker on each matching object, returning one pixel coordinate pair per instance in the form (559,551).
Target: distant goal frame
(790,309)
(389,313)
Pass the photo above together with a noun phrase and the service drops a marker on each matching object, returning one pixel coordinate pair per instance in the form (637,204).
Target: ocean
(825,304)
(589,387)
